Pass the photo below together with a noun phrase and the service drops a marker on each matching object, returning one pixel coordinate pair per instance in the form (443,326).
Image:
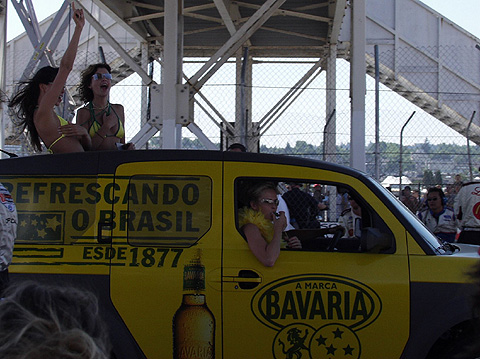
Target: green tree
(428,179)
(438,178)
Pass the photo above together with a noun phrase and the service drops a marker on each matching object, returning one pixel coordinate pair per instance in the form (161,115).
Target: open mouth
(104,86)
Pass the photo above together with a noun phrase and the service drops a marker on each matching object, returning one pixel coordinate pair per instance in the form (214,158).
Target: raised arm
(66,64)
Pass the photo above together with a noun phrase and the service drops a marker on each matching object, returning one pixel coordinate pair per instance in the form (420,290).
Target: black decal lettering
(134,262)
(317,306)
(80,220)
(22,190)
(178,221)
(98,253)
(87,252)
(190,194)
(346,307)
(308,285)
(131,194)
(38,191)
(146,221)
(299,286)
(92,190)
(359,306)
(189,223)
(108,193)
(170,193)
(165,223)
(272,309)
(107,216)
(126,220)
(289,307)
(177,257)
(162,258)
(121,253)
(303,304)
(334,301)
(74,192)
(109,253)
(148,259)
(150,193)
(57,193)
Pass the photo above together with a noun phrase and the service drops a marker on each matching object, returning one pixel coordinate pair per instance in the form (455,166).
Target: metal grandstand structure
(169,31)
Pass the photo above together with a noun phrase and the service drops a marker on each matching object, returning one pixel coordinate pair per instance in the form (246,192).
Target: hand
(72,130)
(130,146)
(78,17)
(108,123)
(294,242)
(280,223)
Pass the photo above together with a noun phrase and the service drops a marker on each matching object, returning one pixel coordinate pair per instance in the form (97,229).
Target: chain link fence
(430,149)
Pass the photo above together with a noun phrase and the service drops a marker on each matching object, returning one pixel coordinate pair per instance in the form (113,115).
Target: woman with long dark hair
(34,103)
(104,121)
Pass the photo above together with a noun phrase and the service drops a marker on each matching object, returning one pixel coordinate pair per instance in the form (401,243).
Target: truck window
(167,210)
(325,216)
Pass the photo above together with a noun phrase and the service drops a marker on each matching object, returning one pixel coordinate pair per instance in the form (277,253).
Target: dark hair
(23,103)
(436,190)
(86,93)
(440,193)
(37,321)
(237,146)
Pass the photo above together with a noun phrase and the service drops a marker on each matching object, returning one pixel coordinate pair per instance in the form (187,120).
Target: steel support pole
(330,131)
(173,11)
(358,86)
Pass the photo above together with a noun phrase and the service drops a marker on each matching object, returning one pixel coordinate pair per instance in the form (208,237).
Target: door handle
(104,231)
(246,279)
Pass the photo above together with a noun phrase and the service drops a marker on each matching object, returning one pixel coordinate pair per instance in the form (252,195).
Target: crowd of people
(452,215)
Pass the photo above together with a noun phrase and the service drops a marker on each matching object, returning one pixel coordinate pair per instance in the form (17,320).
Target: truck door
(165,256)
(318,302)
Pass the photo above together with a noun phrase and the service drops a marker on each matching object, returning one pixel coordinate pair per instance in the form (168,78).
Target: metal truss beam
(234,43)
(116,46)
(271,116)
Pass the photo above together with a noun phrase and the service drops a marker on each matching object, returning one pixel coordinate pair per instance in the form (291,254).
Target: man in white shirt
(467,210)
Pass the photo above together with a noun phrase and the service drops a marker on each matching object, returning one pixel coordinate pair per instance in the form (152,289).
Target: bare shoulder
(117,106)
(83,116)
(250,230)
(119,109)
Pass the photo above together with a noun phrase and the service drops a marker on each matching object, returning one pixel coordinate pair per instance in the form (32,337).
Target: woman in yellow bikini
(34,103)
(104,121)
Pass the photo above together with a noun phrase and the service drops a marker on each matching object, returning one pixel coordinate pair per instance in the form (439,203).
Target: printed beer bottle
(194,323)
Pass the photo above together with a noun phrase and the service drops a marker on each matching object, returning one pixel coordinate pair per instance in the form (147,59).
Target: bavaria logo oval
(316,299)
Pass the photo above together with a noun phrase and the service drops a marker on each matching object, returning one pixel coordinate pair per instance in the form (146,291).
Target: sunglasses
(269,201)
(432,199)
(99,76)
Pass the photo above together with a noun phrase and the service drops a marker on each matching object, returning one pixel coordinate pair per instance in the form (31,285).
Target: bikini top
(95,126)
(63,122)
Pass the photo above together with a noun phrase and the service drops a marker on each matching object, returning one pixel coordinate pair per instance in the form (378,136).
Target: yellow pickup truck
(155,235)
